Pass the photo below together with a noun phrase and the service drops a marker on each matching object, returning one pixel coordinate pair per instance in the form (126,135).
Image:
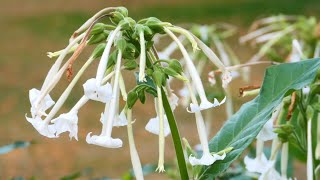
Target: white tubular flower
(270,173)
(42,127)
(105,56)
(153,126)
(295,56)
(284,160)
(160,114)
(105,139)
(309,152)
(173,101)
(135,160)
(67,122)
(121,120)
(317,151)
(257,33)
(267,37)
(266,132)
(93,91)
(168,51)
(206,159)
(205,104)
(258,164)
(46,104)
(142,64)
(58,53)
(204,33)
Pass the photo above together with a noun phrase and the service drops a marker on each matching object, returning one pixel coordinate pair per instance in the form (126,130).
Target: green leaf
(19,144)
(242,128)
(175,137)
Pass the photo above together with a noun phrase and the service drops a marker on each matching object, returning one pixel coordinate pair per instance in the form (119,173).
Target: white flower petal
(266,132)
(205,105)
(67,122)
(153,126)
(173,101)
(42,127)
(206,159)
(258,165)
(96,92)
(46,104)
(226,78)
(270,173)
(211,78)
(121,120)
(103,141)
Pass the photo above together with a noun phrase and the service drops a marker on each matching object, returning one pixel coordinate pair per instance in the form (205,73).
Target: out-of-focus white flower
(306,90)
(266,132)
(153,126)
(67,122)
(97,92)
(206,159)
(104,141)
(204,33)
(173,101)
(211,78)
(120,120)
(46,103)
(258,164)
(270,173)
(42,127)
(205,105)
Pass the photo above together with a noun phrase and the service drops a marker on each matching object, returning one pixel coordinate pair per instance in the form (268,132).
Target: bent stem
(175,137)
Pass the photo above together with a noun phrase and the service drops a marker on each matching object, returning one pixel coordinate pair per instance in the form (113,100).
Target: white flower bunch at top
(125,44)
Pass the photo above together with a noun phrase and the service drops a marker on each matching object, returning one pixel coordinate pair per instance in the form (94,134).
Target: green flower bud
(171,72)
(149,72)
(127,23)
(130,52)
(97,52)
(121,44)
(176,66)
(156,25)
(97,28)
(130,65)
(158,77)
(131,99)
(97,38)
(118,15)
(142,96)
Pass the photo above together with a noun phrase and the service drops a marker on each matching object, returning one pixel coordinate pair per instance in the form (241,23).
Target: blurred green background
(30,28)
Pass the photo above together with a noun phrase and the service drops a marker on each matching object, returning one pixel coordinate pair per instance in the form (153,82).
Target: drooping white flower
(67,122)
(46,104)
(104,141)
(193,73)
(205,105)
(142,64)
(153,126)
(270,173)
(101,93)
(173,101)
(258,164)
(206,159)
(266,132)
(42,127)
(120,120)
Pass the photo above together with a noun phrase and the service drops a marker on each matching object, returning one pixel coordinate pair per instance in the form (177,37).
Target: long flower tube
(207,158)
(309,152)
(160,167)
(284,160)
(105,139)
(205,104)
(67,91)
(258,32)
(135,160)
(91,20)
(142,64)
(105,56)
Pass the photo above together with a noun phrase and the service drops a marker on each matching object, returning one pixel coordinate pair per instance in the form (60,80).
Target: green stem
(175,137)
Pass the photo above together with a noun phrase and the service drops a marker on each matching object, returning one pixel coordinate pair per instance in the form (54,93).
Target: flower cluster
(121,44)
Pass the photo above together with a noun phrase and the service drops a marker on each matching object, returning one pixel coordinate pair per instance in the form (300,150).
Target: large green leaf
(242,128)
